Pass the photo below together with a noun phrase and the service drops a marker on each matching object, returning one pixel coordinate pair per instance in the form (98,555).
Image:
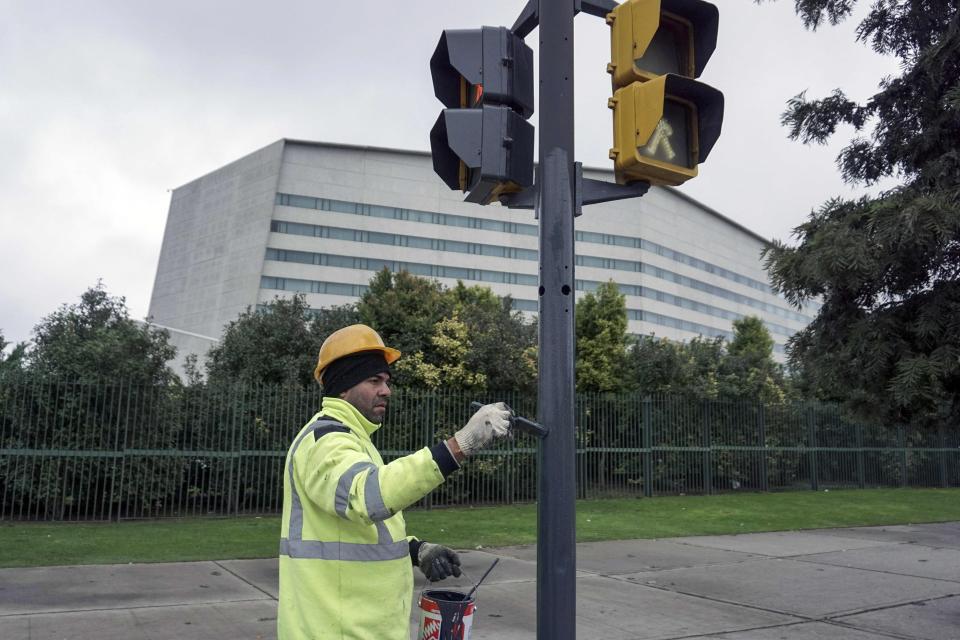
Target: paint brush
(485,573)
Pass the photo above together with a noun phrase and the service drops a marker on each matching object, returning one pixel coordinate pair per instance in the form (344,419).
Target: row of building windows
(636,266)
(678,301)
(677,256)
(706,287)
(397,213)
(416,268)
(399,240)
(312,286)
(676,323)
(484,275)
(685,325)
(355,235)
(356,290)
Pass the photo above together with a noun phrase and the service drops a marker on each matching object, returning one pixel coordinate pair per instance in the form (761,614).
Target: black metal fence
(108,451)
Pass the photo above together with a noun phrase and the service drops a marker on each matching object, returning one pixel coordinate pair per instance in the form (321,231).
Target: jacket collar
(347,414)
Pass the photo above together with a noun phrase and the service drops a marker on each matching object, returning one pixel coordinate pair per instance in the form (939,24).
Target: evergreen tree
(96,339)
(749,371)
(273,345)
(655,365)
(111,388)
(709,368)
(503,341)
(692,368)
(887,338)
(601,324)
(751,339)
(404,309)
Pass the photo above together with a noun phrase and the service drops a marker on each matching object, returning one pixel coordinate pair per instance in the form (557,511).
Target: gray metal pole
(556,550)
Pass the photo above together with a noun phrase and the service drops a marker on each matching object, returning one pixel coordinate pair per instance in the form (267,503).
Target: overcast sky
(105,106)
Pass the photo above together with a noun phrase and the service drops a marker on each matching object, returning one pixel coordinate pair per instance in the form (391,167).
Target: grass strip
(181,540)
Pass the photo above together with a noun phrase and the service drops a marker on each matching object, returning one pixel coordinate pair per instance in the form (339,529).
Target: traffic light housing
(664,122)
(482,143)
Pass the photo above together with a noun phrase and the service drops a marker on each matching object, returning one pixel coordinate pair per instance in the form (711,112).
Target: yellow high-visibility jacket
(346,570)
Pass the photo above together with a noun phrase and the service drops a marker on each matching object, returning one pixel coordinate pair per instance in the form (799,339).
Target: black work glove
(438,562)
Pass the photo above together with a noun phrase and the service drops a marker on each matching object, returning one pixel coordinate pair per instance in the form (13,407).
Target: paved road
(869,582)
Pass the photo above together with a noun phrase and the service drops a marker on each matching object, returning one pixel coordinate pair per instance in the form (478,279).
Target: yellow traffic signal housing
(654,37)
(663,128)
(664,122)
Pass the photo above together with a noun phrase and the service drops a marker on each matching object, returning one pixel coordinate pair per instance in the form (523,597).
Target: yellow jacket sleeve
(337,474)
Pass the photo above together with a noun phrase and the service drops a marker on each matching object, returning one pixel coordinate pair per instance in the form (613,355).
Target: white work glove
(437,562)
(490,422)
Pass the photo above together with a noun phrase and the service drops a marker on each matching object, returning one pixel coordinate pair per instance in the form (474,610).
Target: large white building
(321,219)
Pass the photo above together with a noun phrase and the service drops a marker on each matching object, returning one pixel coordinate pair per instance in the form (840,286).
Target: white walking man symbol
(661,138)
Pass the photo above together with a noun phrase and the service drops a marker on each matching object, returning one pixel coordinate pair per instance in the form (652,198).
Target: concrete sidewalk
(870,582)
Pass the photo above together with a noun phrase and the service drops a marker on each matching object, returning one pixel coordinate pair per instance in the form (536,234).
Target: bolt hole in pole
(565,289)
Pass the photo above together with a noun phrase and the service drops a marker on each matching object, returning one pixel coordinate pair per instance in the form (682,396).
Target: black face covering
(346,372)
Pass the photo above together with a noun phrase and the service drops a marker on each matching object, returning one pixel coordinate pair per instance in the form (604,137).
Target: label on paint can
(445,615)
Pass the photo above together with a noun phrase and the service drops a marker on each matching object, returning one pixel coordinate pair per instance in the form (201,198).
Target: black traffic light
(664,122)
(482,144)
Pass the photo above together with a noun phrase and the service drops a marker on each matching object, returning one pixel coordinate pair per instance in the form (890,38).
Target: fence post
(707,461)
(510,457)
(125,445)
(113,459)
(902,446)
(232,426)
(812,446)
(762,428)
(647,427)
(236,480)
(861,479)
(432,429)
(942,439)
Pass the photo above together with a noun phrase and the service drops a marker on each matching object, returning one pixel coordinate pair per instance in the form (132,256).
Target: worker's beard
(371,406)
(375,418)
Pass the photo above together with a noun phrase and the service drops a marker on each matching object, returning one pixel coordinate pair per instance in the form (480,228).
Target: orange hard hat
(350,340)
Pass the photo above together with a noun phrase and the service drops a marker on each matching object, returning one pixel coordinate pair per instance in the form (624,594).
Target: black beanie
(343,373)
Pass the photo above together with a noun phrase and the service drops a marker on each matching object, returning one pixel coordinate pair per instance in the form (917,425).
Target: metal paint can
(445,615)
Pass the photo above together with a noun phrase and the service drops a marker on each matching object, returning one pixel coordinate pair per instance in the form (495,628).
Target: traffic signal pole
(556,184)
(484,147)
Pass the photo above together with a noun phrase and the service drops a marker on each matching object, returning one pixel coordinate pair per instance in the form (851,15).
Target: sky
(108,105)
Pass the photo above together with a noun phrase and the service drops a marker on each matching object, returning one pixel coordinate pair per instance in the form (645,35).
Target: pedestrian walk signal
(665,123)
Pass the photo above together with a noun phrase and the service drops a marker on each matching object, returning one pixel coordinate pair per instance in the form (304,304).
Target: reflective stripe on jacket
(345,567)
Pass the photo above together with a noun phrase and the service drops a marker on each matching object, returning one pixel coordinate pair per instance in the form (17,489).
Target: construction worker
(346,561)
